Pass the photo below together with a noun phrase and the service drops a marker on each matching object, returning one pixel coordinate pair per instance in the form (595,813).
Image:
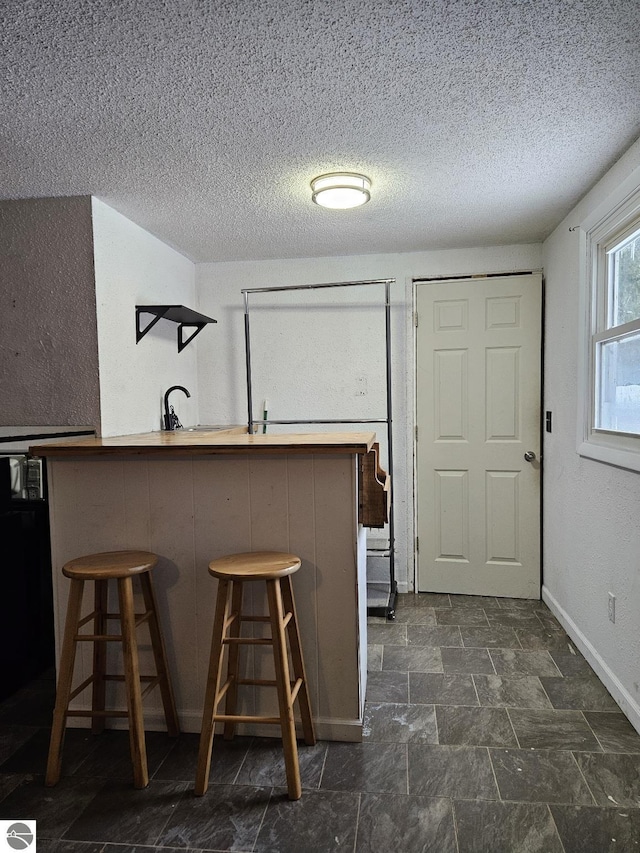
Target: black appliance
(26,605)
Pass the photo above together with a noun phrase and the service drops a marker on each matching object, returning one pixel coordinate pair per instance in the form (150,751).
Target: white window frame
(602,233)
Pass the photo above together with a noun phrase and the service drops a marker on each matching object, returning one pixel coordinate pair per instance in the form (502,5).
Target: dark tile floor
(486,732)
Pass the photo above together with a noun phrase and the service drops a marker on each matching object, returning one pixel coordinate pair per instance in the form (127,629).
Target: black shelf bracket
(181,342)
(184,317)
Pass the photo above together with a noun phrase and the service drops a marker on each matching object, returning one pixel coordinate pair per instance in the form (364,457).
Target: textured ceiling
(479,121)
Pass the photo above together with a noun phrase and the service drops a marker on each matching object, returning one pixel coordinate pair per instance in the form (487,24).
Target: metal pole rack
(375,608)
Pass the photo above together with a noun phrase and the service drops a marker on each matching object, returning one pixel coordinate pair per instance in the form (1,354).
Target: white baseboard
(336,730)
(627,703)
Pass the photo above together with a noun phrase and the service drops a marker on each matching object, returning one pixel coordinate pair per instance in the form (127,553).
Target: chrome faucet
(171,420)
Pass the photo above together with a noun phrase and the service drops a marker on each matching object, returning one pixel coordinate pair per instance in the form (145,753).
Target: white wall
(221,358)
(591,510)
(134,268)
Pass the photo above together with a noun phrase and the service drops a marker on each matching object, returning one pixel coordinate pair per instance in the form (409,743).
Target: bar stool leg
(98,690)
(213,688)
(160,656)
(298,661)
(283,683)
(132,683)
(233,661)
(65,679)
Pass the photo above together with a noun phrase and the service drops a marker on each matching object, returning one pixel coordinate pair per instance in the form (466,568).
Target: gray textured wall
(48,336)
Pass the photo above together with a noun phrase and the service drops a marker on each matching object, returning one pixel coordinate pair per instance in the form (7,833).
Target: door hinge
(415,319)
(417,544)
(416,433)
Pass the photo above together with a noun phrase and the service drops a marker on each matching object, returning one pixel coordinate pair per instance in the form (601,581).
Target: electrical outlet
(611,606)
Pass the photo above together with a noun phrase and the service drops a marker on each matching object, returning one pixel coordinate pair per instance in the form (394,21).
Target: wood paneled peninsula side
(193,496)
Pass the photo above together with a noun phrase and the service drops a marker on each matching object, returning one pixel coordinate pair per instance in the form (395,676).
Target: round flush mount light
(341,190)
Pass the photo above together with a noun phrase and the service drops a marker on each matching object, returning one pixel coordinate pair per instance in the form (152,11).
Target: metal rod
(247,349)
(354,421)
(317,286)
(387,317)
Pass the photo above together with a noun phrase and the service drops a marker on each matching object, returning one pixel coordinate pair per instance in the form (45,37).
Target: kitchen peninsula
(193,496)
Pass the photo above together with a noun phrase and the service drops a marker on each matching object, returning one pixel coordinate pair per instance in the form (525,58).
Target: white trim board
(621,695)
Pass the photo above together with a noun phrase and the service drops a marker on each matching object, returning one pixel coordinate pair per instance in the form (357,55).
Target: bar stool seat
(123,567)
(275,568)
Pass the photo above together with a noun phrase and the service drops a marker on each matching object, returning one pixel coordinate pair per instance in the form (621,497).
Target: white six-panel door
(478,413)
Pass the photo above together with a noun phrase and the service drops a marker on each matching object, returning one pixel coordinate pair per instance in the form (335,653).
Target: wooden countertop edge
(220,442)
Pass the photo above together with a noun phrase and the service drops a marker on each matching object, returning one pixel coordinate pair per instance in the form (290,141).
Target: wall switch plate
(611,606)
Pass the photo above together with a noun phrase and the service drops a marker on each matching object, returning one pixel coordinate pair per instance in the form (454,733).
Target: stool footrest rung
(121,677)
(295,689)
(97,638)
(153,682)
(222,691)
(81,687)
(152,679)
(88,618)
(97,714)
(230,620)
(243,718)
(285,620)
(248,641)
(259,682)
(140,619)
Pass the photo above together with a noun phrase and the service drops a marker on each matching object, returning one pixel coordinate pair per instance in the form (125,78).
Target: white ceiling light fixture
(341,190)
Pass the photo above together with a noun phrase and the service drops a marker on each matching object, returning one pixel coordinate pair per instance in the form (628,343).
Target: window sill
(601,452)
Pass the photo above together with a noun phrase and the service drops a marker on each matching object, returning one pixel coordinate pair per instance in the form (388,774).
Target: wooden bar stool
(121,566)
(232,572)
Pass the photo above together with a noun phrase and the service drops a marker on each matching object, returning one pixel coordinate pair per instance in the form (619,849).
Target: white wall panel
(591,510)
(132,267)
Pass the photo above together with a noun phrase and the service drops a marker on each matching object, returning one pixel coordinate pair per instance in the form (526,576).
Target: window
(611,428)
(616,348)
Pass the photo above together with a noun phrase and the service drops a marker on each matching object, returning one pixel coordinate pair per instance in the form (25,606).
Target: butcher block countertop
(201,442)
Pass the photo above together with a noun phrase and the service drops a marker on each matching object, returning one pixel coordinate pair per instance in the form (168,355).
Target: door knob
(529,456)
